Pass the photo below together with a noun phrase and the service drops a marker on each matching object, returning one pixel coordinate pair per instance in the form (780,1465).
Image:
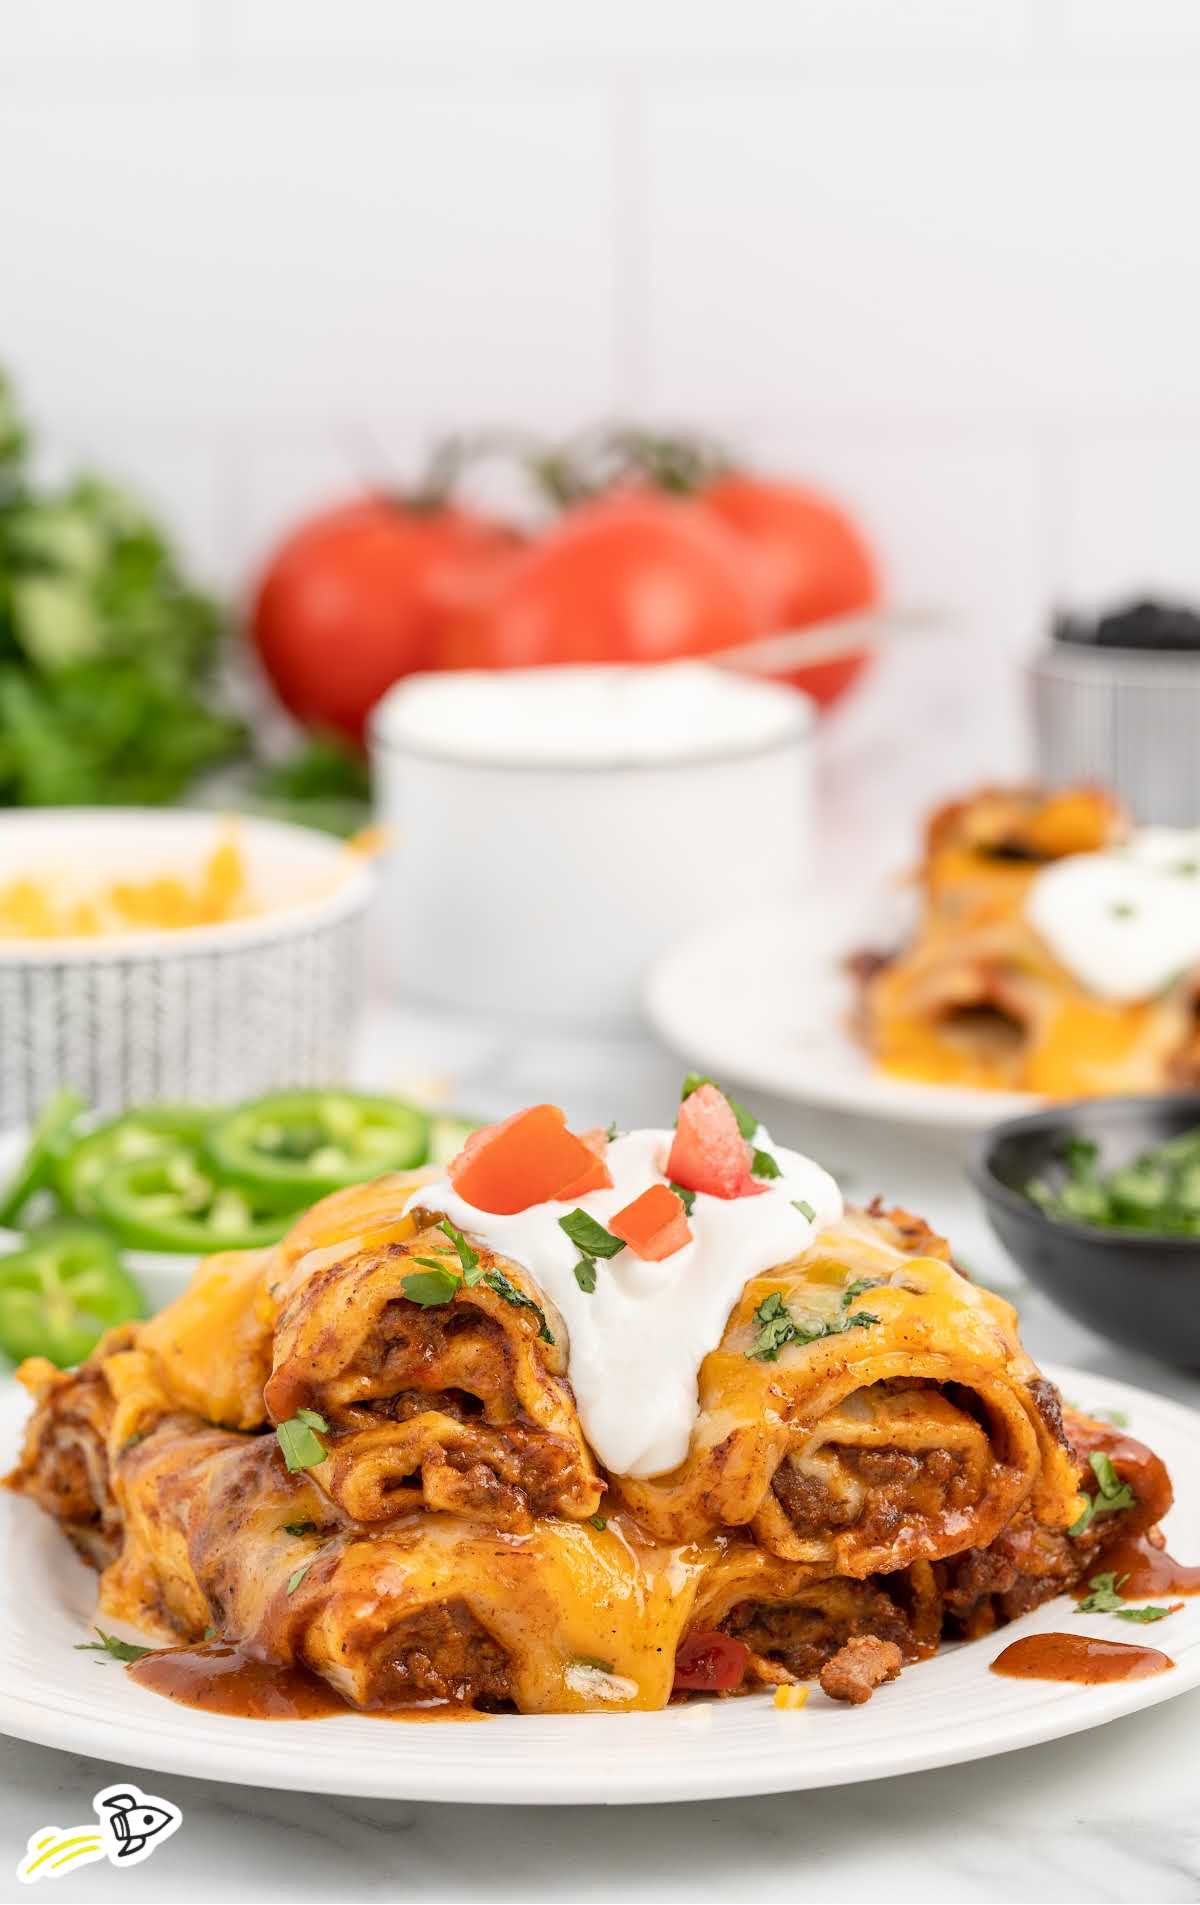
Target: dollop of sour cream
(1125,922)
(638,1339)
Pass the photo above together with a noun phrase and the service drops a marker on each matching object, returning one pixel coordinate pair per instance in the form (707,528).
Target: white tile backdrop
(942,254)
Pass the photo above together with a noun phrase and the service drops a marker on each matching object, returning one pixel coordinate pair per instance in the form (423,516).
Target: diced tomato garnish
(654,1226)
(710,1663)
(594,1176)
(530,1158)
(709,1153)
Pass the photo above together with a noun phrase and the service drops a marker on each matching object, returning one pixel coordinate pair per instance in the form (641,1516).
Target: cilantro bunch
(106,652)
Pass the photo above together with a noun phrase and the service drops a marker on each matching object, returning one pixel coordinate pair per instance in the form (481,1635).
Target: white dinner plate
(946,1710)
(765,1000)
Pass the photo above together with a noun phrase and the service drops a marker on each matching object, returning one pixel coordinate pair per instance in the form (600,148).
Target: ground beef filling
(442,1653)
(896,1487)
(802,1635)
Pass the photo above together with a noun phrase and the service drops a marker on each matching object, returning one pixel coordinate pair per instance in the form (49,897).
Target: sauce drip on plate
(1148,1570)
(1080,1658)
(220,1678)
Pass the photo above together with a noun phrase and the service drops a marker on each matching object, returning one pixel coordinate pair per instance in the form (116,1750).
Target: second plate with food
(766,1000)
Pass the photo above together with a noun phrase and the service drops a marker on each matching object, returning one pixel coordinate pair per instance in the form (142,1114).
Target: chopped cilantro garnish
(612,1134)
(598,1522)
(778,1327)
(805,1208)
(497,1281)
(857,1287)
(295,1579)
(762,1164)
(1106,1596)
(1112,1494)
(775,1328)
(122,1650)
(585,1274)
(301,1448)
(299,1527)
(589,1236)
(467,1255)
(434,1288)
(687,1198)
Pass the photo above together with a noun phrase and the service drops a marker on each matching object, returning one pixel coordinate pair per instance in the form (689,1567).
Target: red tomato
(527,1159)
(352,601)
(633,576)
(710,1663)
(654,1226)
(812,562)
(708,1152)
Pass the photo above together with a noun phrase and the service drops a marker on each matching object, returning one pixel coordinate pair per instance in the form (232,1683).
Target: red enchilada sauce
(1148,1571)
(1080,1658)
(220,1678)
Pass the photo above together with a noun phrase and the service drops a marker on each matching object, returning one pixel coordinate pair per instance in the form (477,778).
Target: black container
(1140,1290)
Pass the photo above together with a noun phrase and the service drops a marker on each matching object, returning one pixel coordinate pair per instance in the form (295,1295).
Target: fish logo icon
(131,1825)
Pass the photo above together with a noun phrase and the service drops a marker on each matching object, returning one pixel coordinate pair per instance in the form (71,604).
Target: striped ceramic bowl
(203,1013)
(1128,719)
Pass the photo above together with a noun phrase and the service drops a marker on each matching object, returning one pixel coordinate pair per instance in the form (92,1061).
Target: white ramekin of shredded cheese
(259,987)
(554,829)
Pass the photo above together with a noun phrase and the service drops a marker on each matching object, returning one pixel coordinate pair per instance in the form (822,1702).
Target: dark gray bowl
(1142,1291)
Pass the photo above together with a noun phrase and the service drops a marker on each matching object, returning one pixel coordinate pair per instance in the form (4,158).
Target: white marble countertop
(1105,1815)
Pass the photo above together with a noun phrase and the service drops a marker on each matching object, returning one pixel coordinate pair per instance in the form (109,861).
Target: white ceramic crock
(206,1013)
(555,829)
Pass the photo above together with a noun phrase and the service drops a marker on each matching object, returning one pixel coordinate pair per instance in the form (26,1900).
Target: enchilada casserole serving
(587,1423)
(1056,951)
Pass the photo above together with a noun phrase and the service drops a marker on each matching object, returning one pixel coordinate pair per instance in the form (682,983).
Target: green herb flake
(301,1448)
(589,1236)
(585,1274)
(1105,1597)
(312,1420)
(598,1522)
(299,1528)
(777,1326)
(210,1633)
(687,1198)
(1147,1613)
(497,1281)
(1111,1497)
(805,1208)
(762,1164)
(433,1289)
(295,1579)
(467,1255)
(123,1650)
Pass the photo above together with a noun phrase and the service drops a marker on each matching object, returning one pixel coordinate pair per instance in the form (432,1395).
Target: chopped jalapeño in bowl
(1157,1191)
